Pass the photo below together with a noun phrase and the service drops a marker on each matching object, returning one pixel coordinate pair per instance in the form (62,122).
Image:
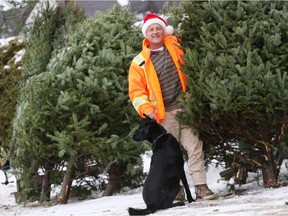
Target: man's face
(155,34)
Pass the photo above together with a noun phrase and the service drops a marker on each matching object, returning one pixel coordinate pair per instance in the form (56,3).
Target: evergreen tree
(10,73)
(47,34)
(236,64)
(77,112)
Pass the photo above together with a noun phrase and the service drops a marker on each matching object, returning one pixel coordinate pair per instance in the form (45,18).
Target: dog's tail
(133,211)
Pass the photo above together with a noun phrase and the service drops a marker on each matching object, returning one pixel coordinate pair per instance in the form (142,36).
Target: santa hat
(152,19)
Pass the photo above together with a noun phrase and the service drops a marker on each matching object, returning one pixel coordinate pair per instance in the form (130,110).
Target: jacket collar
(145,49)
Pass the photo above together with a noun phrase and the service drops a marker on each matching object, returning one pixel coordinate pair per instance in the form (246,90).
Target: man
(155,82)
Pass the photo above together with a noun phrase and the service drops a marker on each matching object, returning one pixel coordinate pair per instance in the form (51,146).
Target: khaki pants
(191,144)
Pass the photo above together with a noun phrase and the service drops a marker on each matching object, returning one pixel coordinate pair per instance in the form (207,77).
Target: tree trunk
(67,181)
(115,174)
(241,174)
(46,189)
(269,171)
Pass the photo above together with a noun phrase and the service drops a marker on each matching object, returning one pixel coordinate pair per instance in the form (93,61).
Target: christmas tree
(236,65)
(74,115)
(42,38)
(10,73)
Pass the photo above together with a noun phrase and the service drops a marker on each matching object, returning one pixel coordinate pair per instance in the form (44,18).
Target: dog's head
(149,130)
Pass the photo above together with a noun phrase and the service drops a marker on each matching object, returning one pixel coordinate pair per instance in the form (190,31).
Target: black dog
(166,169)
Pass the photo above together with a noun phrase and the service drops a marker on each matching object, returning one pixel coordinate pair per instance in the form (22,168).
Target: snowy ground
(254,201)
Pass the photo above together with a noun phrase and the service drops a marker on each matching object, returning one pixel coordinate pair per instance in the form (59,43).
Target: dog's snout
(138,136)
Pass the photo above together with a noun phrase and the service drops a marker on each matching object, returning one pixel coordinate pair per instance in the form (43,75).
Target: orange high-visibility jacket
(144,87)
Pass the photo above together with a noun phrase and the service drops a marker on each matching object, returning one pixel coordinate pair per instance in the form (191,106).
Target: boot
(203,192)
(181,194)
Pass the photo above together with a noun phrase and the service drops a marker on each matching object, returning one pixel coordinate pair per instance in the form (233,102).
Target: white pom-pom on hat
(169,30)
(152,19)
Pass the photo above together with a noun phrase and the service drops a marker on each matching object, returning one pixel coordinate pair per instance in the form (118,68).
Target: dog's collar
(159,137)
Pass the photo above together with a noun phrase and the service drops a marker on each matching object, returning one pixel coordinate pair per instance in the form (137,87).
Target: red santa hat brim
(150,22)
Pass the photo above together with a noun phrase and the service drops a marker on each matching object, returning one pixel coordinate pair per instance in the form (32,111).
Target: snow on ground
(6,41)
(5,5)
(255,201)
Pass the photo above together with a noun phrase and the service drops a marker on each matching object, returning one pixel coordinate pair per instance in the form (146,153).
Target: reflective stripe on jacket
(144,87)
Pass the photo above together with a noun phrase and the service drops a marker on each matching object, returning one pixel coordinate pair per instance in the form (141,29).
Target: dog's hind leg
(186,186)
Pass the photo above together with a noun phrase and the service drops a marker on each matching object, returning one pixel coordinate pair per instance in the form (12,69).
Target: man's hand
(152,115)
